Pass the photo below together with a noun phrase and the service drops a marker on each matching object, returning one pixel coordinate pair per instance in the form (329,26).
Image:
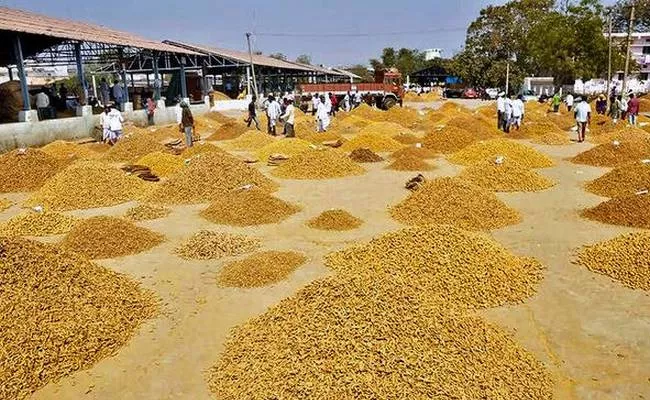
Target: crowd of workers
(511,110)
(322,107)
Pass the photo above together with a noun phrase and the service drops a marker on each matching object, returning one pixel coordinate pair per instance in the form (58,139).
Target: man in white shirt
(346,102)
(115,125)
(322,116)
(273,112)
(569,102)
(501,109)
(314,104)
(583,117)
(289,118)
(104,122)
(328,104)
(42,105)
(357,99)
(518,109)
(507,114)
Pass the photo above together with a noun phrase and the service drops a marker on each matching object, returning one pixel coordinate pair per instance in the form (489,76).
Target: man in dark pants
(252,114)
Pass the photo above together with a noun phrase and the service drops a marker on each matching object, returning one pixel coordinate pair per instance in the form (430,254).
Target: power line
(360,34)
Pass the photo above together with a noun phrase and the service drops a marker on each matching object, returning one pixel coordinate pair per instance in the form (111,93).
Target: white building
(640,51)
(432,54)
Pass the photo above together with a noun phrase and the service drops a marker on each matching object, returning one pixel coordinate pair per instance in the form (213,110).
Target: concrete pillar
(127,107)
(22,74)
(28,116)
(80,72)
(84,111)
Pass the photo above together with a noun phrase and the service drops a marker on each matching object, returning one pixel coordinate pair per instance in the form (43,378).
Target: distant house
(432,54)
(640,50)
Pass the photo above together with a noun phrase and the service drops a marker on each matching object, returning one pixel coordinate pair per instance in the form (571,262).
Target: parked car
(470,93)
(529,95)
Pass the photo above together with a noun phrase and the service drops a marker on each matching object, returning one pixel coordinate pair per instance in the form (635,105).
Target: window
(646,49)
(643,76)
(620,76)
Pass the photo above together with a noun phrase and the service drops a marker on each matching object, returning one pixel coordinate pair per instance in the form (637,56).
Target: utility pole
(609,68)
(250,54)
(629,45)
(508,79)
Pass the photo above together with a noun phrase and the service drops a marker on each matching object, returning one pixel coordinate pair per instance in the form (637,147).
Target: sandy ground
(591,332)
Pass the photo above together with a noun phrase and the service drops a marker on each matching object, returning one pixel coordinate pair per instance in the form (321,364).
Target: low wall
(39,133)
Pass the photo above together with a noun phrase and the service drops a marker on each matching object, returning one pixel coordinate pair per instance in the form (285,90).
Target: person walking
(114,125)
(335,104)
(322,116)
(252,114)
(289,118)
(583,118)
(104,123)
(187,123)
(105,92)
(501,109)
(569,102)
(557,100)
(42,105)
(151,110)
(273,112)
(624,105)
(328,103)
(518,110)
(633,109)
(508,114)
(357,99)
(615,111)
(314,104)
(346,102)
(118,94)
(601,104)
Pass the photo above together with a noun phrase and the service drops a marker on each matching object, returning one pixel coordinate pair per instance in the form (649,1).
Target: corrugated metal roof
(27,22)
(240,56)
(244,58)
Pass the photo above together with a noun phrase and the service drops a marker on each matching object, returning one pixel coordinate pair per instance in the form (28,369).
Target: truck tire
(389,103)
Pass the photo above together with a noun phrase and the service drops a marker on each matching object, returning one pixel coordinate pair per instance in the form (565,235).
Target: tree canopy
(304,59)
(562,39)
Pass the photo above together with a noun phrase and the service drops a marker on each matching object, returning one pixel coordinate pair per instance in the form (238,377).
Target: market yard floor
(592,333)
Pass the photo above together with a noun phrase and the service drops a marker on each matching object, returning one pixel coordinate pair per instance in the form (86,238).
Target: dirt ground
(591,332)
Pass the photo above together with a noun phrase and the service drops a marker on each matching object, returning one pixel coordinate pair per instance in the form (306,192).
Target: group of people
(323,108)
(50,99)
(111,122)
(510,112)
(117,91)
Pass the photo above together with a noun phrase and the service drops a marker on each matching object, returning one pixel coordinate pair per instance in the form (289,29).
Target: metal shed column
(183,79)
(80,72)
(22,75)
(157,82)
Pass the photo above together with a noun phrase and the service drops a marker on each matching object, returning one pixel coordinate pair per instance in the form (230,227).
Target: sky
(418,24)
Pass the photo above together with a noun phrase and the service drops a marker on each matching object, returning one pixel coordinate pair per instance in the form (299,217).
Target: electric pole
(609,68)
(629,45)
(250,54)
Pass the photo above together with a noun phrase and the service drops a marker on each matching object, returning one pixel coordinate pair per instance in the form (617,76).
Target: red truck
(387,90)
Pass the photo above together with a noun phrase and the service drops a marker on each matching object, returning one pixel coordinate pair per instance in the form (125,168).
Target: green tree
(579,48)
(278,56)
(304,59)
(561,39)
(621,15)
(388,57)
(362,71)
